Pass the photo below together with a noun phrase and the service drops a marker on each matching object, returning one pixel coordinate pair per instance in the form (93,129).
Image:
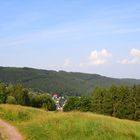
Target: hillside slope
(35,124)
(67,83)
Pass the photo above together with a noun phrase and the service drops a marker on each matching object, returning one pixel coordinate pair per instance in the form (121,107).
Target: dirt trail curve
(10,131)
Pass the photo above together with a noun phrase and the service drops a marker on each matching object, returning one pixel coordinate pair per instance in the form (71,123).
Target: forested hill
(66,83)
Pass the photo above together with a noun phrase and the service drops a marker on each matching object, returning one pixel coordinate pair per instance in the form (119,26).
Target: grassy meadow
(36,124)
(3,135)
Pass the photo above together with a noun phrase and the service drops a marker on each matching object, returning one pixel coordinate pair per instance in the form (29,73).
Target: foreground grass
(3,135)
(35,124)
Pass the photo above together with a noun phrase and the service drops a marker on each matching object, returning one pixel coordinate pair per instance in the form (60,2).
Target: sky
(90,36)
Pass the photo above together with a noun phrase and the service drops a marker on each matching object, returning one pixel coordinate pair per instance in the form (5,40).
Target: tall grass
(37,124)
(3,135)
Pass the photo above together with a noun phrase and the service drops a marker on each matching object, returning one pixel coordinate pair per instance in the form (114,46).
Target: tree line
(117,101)
(17,94)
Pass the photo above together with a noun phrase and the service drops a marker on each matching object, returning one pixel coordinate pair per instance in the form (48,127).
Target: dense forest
(117,101)
(121,102)
(63,83)
(17,94)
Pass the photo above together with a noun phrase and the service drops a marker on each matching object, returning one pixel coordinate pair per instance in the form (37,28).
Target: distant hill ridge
(65,83)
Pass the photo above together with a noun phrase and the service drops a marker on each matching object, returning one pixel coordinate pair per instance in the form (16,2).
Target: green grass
(35,124)
(3,135)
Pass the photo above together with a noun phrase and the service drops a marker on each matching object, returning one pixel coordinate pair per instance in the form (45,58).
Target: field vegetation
(36,124)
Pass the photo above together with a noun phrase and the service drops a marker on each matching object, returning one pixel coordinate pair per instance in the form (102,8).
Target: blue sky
(92,36)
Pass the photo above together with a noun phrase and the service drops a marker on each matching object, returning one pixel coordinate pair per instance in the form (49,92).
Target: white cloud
(126,61)
(135,57)
(99,57)
(135,53)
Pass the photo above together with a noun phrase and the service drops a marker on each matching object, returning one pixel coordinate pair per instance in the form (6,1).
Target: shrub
(11,100)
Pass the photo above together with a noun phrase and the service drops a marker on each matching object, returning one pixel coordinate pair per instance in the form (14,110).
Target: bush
(44,106)
(11,100)
(78,103)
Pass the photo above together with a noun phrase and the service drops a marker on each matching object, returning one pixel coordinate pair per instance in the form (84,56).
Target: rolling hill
(65,83)
(36,124)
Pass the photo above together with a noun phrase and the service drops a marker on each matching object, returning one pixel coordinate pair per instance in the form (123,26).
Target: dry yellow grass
(36,124)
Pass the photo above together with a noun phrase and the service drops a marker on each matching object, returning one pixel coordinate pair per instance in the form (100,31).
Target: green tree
(42,100)
(123,105)
(83,104)
(3,94)
(20,93)
(70,104)
(107,103)
(97,100)
(136,93)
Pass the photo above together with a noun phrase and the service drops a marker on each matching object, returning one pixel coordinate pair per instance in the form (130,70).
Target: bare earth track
(10,131)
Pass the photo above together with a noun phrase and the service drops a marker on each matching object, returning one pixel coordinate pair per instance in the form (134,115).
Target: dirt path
(10,131)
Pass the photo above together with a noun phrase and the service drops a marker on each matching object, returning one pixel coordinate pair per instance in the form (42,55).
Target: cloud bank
(135,57)
(99,57)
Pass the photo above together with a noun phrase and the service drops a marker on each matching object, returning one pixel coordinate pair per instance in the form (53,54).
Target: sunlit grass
(37,124)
